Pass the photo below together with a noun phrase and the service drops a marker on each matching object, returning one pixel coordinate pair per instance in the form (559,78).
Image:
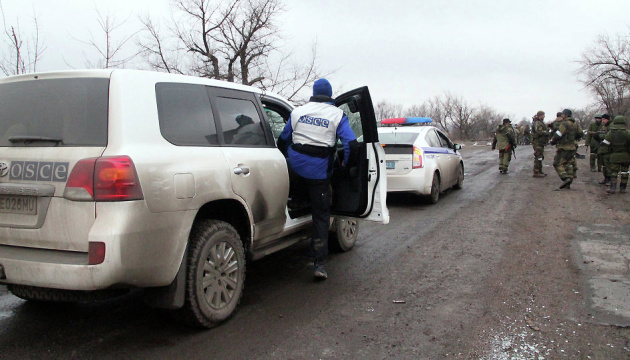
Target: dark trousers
(320,197)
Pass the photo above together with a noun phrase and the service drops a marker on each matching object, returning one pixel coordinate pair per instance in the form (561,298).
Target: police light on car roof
(104,179)
(406,121)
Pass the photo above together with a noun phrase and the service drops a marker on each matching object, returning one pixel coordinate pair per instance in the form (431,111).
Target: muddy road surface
(506,268)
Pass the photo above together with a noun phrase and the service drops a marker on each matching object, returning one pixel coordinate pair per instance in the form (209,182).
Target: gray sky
(517,57)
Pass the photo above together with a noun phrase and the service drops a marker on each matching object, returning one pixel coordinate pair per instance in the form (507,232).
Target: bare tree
(109,49)
(385,110)
(605,71)
(608,58)
(230,40)
(21,55)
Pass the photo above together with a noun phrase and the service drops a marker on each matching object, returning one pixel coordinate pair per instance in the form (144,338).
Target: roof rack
(408,121)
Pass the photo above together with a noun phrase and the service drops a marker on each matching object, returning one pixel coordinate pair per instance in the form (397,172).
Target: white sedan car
(420,158)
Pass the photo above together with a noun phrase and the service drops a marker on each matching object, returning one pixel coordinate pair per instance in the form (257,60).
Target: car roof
(153,75)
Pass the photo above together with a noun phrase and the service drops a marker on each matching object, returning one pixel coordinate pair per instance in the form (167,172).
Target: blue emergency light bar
(406,121)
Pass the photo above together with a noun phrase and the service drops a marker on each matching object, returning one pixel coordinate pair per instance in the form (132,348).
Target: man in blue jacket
(310,140)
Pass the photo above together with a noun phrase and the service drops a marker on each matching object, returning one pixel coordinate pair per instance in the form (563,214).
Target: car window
(446,143)
(398,138)
(240,122)
(185,114)
(432,139)
(275,121)
(72,111)
(355,121)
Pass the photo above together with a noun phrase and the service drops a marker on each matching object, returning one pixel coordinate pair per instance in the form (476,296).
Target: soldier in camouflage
(505,140)
(593,143)
(618,141)
(565,140)
(540,138)
(603,152)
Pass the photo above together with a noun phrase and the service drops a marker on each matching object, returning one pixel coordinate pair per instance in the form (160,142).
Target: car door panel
(357,188)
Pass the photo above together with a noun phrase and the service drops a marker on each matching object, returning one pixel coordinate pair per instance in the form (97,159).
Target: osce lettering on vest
(314,121)
(316,124)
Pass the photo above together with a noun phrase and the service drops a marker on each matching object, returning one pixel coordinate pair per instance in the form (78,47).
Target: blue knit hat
(322,87)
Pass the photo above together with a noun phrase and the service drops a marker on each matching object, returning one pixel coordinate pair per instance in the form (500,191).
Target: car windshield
(54,112)
(397,138)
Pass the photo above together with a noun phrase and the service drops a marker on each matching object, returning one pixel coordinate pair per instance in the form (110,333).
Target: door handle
(241,170)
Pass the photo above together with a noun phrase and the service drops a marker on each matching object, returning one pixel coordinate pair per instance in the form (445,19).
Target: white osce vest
(316,124)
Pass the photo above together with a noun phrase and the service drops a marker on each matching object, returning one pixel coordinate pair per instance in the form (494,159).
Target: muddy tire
(460,178)
(343,234)
(215,277)
(435,189)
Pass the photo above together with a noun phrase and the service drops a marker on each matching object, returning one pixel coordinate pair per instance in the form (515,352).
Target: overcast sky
(517,57)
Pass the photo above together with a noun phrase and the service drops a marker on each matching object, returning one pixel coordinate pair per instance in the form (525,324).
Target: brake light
(104,179)
(417,158)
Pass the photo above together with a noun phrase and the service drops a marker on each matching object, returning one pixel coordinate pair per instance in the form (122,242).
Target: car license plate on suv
(25,205)
(390,165)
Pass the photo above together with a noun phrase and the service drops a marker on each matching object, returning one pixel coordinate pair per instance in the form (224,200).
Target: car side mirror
(457,147)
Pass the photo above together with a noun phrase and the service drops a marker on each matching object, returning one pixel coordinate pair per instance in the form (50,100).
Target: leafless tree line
(236,41)
(451,113)
(605,72)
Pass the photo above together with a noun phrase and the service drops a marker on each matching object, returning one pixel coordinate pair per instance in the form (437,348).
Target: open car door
(360,189)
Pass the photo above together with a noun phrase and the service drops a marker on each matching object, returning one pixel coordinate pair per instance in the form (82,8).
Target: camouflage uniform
(505,141)
(540,137)
(593,143)
(565,139)
(603,153)
(618,140)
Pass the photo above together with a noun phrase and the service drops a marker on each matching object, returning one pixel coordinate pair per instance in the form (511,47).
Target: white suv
(119,179)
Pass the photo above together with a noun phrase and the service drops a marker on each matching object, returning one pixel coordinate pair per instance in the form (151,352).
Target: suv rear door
(258,170)
(360,189)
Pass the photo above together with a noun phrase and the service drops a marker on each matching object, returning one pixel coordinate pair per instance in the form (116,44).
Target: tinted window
(240,122)
(71,111)
(398,138)
(185,114)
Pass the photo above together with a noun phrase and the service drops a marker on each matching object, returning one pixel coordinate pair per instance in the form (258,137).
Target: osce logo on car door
(38,171)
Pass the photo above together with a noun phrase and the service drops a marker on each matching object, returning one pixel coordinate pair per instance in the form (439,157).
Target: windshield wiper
(30,139)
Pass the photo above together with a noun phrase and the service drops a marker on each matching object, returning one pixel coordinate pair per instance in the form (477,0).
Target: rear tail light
(417,158)
(104,179)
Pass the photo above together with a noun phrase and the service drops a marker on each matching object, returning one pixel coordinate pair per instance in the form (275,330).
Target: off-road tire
(33,293)
(343,234)
(460,178)
(215,275)
(435,188)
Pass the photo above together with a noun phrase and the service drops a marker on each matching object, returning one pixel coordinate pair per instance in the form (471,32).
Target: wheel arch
(230,211)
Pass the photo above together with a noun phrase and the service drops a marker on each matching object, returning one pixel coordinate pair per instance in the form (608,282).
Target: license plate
(390,165)
(26,205)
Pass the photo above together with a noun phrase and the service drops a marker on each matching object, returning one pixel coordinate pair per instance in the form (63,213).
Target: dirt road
(506,268)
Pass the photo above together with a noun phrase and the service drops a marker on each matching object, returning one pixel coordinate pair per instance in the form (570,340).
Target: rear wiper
(30,139)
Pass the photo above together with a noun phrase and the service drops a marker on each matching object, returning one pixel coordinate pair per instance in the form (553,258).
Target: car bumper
(416,181)
(143,249)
